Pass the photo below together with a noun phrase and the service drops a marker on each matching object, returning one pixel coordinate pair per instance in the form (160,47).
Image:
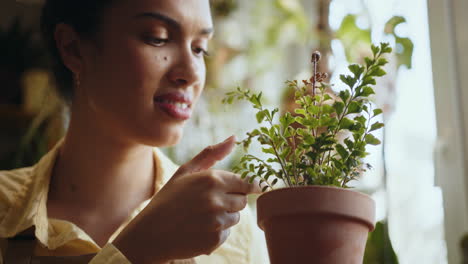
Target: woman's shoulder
(14,188)
(20,190)
(12,183)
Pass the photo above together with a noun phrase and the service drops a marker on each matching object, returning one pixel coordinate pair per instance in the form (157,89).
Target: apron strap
(20,250)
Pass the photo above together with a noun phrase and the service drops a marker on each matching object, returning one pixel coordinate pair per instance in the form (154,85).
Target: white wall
(450,63)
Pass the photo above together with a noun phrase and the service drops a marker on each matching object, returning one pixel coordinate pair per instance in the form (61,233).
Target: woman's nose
(186,70)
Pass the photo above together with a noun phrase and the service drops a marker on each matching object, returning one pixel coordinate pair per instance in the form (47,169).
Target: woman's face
(145,70)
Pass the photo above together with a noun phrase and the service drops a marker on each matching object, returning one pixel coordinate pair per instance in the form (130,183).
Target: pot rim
(326,200)
(288,188)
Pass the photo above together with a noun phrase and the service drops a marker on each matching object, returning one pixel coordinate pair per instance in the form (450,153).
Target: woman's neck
(95,172)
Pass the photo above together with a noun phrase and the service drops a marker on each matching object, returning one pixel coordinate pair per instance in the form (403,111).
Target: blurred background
(420,174)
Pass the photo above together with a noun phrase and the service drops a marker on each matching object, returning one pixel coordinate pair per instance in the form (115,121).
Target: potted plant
(315,152)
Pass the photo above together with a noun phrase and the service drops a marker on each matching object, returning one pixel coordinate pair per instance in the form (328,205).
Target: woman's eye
(158,42)
(201,52)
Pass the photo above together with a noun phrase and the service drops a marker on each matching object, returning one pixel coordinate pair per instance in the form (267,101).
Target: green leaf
(254,133)
(382,62)
(368,61)
(286,152)
(300,111)
(384,45)
(244,174)
(311,122)
(375,49)
(339,107)
(344,95)
(365,108)
(299,119)
(354,108)
(273,113)
(352,37)
(405,46)
(361,119)
(346,123)
(327,109)
(268,174)
(326,121)
(272,160)
(261,170)
(309,139)
(375,126)
(377,112)
(286,120)
(348,80)
(313,109)
(312,155)
(260,116)
(265,130)
(274,182)
(269,151)
(366,91)
(256,100)
(251,179)
(368,80)
(356,69)
(300,131)
(357,127)
(342,151)
(379,72)
(327,97)
(349,143)
(370,139)
(404,52)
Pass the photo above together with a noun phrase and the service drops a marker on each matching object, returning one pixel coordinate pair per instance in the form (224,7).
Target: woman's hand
(191,215)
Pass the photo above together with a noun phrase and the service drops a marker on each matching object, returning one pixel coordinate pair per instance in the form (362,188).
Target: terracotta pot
(316,224)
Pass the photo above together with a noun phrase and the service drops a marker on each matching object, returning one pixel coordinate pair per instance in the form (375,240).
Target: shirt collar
(46,229)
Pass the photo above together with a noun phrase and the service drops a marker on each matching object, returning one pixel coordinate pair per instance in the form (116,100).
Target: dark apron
(20,250)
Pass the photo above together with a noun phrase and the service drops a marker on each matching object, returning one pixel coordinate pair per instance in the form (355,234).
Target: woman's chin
(166,138)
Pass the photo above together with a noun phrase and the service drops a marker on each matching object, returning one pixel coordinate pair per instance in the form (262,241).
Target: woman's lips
(176,105)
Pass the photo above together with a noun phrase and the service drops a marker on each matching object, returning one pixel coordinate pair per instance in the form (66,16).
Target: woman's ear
(68,45)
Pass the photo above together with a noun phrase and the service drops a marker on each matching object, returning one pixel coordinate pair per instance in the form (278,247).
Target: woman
(132,71)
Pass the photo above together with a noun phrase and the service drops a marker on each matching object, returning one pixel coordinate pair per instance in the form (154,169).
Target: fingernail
(227,139)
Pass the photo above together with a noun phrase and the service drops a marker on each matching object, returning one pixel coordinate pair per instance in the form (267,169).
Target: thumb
(208,157)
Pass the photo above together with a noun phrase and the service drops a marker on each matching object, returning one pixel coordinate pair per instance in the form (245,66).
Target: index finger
(235,184)
(208,157)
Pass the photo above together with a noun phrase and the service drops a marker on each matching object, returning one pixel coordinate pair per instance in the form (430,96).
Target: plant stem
(314,81)
(294,159)
(266,165)
(275,148)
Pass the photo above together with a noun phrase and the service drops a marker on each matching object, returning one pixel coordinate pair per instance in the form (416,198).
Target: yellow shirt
(23,197)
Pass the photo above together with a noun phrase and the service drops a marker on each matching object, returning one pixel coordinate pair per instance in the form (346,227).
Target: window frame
(447,34)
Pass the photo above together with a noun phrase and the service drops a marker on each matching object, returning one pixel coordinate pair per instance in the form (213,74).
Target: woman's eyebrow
(170,21)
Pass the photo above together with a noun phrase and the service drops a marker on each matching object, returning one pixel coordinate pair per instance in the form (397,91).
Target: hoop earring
(77,80)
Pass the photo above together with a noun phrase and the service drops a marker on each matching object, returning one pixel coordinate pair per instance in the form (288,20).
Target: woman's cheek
(145,70)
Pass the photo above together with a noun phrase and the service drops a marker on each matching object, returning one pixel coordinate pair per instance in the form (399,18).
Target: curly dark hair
(85,18)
